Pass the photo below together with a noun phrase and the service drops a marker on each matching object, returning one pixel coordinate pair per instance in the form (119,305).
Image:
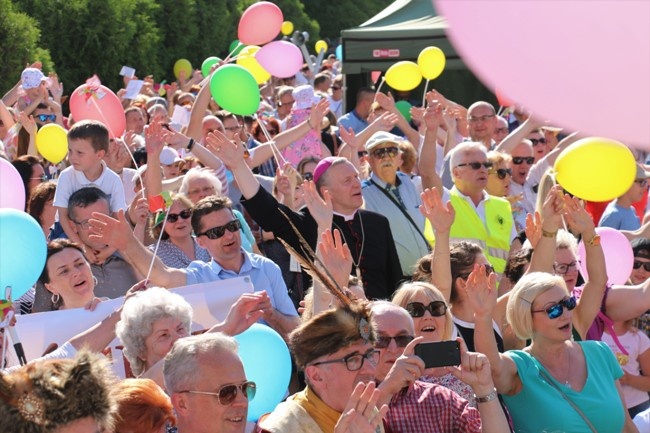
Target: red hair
(142,406)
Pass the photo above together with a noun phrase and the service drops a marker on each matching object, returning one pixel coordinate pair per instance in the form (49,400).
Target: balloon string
(279,159)
(379,88)
(155,251)
(239,44)
(424,95)
(500,110)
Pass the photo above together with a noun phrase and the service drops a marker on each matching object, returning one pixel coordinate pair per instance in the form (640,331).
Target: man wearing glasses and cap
(218,231)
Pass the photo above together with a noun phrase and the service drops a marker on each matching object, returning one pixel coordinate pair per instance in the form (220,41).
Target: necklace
(568,370)
(363,241)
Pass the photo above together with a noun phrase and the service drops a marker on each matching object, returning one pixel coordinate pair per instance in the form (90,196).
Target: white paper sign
(181,115)
(127,71)
(133,89)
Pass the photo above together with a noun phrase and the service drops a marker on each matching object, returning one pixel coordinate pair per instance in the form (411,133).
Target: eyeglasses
(207,189)
(474,119)
(217,232)
(354,361)
(233,128)
(501,130)
(273,131)
(502,172)
(228,393)
(476,165)
(280,103)
(642,182)
(537,141)
(85,224)
(42,178)
(401,341)
(637,264)
(173,217)
(46,117)
(308,176)
(564,268)
(435,308)
(556,310)
(390,151)
(518,160)
(488,270)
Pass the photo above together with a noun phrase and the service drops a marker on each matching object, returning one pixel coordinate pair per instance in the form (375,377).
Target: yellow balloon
(183,65)
(321,45)
(596,169)
(431,62)
(246,58)
(287,28)
(52,142)
(404,76)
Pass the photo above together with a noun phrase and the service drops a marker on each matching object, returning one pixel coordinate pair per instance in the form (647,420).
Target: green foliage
(340,15)
(19,45)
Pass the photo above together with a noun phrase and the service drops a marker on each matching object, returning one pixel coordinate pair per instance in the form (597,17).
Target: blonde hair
(408,291)
(519,310)
(566,240)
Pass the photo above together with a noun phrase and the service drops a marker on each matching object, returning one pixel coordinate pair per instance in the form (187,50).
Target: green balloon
(405,108)
(235,90)
(236,47)
(207,64)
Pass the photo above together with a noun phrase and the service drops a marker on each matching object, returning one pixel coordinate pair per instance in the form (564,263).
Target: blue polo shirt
(264,274)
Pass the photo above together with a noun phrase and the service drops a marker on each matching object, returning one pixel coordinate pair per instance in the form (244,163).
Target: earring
(95,280)
(55,298)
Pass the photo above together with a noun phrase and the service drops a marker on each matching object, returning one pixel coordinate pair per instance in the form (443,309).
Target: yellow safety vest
(495,238)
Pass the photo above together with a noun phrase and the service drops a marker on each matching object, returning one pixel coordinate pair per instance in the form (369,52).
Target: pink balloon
(280,58)
(102,105)
(260,23)
(582,59)
(12,190)
(619,256)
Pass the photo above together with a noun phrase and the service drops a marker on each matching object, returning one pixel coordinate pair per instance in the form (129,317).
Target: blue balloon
(267,362)
(22,252)
(339,52)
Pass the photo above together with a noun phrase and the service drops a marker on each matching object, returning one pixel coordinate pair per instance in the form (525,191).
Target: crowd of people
(365,234)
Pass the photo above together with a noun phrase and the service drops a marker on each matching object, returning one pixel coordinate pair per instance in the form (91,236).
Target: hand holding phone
(439,354)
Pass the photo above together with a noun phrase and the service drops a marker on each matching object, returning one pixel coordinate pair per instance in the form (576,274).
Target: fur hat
(330,331)
(46,395)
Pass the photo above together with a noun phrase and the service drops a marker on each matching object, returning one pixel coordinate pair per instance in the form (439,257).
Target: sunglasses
(637,264)
(502,172)
(173,217)
(217,232)
(46,117)
(556,310)
(435,308)
(517,160)
(308,176)
(476,165)
(537,141)
(42,178)
(380,153)
(383,341)
(228,393)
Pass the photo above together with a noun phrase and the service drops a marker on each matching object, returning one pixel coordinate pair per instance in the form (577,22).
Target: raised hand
(27,122)
(319,207)
(175,139)
(440,216)
(577,217)
(552,209)
(533,228)
(335,256)
(481,291)
(361,414)
(349,137)
(317,113)
(231,153)
(153,136)
(386,101)
(248,309)
(113,232)
(474,370)
(386,121)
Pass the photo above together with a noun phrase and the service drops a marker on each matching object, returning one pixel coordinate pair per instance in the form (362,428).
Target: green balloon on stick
(404,107)
(235,90)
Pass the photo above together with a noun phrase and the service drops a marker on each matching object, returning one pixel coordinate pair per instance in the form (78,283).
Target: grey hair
(138,316)
(181,365)
(566,240)
(379,307)
(200,173)
(463,149)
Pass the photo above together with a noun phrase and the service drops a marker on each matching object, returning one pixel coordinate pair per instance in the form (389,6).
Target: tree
(20,38)
(336,16)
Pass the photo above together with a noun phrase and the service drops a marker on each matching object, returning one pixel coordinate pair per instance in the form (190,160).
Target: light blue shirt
(264,274)
(352,120)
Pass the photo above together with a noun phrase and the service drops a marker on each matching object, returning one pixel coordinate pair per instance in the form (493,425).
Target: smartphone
(440,354)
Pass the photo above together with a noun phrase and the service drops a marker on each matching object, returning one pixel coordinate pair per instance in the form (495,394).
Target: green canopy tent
(398,33)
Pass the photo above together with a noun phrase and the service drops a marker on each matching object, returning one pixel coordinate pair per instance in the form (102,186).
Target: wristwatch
(491,396)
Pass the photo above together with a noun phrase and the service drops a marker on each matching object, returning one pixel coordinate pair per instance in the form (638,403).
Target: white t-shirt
(635,343)
(72,180)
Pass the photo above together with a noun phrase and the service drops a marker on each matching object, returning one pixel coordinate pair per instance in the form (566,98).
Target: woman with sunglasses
(554,384)
(31,172)
(177,248)
(499,182)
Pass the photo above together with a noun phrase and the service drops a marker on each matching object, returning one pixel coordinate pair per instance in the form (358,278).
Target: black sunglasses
(308,176)
(228,393)
(435,308)
(517,160)
(173,217)
(383,341)
(502,172)
(637,264)
(557,309)
(217,232)
(380,153)
(46,117)
(537,141)
(476,165)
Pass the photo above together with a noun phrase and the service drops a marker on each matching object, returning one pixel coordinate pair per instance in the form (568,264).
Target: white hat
(168,156)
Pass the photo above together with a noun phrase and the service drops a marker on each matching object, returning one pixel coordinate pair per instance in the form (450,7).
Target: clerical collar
(344,216)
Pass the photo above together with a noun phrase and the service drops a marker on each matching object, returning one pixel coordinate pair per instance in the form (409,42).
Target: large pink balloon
(102,105)
(280,58)
(619,256)
(575,62)
(12,190)
(260,23)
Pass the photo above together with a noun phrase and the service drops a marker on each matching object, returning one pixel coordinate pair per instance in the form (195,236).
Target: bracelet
(548,234)
(190,145)
(491,396)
